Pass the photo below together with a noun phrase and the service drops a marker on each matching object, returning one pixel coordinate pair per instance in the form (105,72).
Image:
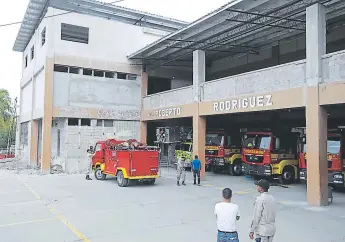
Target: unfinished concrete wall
(23,151)
(170,98)
(70,141)
(115,98)
(275,78)
(334,67)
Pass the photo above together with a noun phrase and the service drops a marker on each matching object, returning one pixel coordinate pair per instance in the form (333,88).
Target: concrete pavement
(69,208)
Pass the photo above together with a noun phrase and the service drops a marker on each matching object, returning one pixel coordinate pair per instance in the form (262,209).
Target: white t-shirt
(226,216)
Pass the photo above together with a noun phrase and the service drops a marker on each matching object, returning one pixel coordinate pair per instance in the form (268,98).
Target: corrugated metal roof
(37,9)
(239,27)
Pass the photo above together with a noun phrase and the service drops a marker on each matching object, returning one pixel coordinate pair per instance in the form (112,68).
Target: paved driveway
(69,208)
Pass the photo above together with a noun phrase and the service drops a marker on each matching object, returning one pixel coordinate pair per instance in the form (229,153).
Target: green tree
(6,116)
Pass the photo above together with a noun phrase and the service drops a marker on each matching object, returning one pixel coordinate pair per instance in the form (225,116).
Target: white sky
(13,11)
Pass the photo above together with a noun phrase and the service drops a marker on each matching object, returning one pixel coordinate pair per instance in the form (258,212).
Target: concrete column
(144,85)
(47,116)
(199,72)
(316,115)
(199,133)
(143,132)
(33,143)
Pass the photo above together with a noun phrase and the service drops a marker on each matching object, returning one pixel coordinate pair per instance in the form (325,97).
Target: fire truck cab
(271,154)
(127,160)
(223,151)
(335,160)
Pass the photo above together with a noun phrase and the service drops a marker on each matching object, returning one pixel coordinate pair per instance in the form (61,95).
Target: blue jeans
(227,237)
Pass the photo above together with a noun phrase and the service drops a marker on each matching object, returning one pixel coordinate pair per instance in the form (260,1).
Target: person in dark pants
(227,214)
(196,167)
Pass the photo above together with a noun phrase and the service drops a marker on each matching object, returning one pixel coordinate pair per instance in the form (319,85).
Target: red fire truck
(127,160)
(271,154)
(335,159)
(223,151)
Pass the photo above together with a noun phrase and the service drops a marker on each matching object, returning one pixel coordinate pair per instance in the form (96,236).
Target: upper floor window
(32,52)
(74,33)
(43,36)
(26,61)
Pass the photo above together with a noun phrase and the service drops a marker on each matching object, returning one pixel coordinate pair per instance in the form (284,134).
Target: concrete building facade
(77,85)
(286,55)
(245,57)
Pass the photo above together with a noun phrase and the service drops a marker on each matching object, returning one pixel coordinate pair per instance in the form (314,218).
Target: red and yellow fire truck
(223,151)
(271,154)
(335,160)
(127,160)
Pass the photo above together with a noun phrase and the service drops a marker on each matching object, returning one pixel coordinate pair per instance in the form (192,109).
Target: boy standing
(196,167)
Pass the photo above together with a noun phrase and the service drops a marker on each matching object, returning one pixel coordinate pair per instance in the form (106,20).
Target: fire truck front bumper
(336,178)
(256,170)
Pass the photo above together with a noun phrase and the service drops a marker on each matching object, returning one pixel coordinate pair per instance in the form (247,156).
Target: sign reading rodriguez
(168,112)
(246,102)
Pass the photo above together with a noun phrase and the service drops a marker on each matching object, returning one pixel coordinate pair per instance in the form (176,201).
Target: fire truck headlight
(338,176)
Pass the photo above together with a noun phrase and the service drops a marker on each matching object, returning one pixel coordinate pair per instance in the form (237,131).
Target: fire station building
(245,57)
(254,56)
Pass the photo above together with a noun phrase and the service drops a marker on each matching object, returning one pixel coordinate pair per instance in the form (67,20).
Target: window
(132,77)
(85,122)
(87,72)
(99,122)
(59,68)
(98,147)
(32,52)
(109,74)
(74,33)
(26,61)
(98,73)
(73,122)
(43,37)
(121,75)
(74,70)
(108,123)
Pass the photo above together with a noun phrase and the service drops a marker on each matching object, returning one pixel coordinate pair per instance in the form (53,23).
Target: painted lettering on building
(168,112)
(242,103)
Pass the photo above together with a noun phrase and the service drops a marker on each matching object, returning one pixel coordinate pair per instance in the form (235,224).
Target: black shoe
(183,183)
(194,183)
(88,177)
(178,183)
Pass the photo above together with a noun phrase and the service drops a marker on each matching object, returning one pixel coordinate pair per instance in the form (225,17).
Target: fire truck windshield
(257,141)
(333,145)
(214,139)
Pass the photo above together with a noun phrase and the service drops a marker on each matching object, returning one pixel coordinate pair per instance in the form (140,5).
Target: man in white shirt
(264,216)
(227,214)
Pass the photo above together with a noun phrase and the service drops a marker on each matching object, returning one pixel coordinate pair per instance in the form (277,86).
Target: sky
(13,11)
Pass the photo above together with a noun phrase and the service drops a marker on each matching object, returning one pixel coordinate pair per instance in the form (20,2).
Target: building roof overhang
(37,10)
(237,28)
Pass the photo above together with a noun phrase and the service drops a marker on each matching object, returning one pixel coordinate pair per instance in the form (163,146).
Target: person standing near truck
(263,224)
(90,153)
(196,167)
(181,171)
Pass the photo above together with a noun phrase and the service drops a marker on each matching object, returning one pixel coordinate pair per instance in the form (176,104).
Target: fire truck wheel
(99,174)
(236,168)
(121,180)
(216,170)
(288,175)
(152,181)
